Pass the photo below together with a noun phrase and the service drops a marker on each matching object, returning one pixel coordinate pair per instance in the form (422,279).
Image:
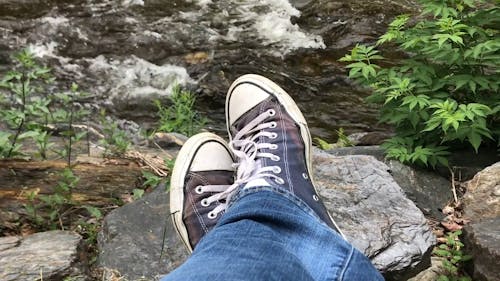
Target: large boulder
(374,213)
(52,255)
(369,206)
(429,190)
(482,235)
(139,240)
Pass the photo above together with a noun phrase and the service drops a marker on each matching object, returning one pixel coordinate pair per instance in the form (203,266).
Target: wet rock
(374,213)
(482,235)
(133,236)
(482,240)
(23,8)
(52,254)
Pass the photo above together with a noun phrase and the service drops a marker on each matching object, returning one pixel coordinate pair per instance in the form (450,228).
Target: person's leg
(268,234)
(277,227)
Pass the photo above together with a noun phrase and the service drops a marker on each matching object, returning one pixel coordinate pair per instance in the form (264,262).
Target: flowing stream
(128,52)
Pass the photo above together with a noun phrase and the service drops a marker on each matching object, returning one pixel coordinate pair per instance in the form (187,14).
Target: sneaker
(202,171)
(269,136)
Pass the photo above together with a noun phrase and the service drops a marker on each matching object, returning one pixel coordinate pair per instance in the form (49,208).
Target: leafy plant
(25,103)
(115,141)
(454,258)
(181,116)
(67,114)
(323,144)
(445,94)
(137,193)
(61,198)
(31,208)
(343,140)
(151,180)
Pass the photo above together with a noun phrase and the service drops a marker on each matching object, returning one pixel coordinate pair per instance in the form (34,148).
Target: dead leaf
(451,226)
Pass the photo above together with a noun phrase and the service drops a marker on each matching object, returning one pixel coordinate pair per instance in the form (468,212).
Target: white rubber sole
(292,109)
(181,168)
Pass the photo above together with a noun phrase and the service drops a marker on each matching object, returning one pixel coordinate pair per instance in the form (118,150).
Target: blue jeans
(269,234)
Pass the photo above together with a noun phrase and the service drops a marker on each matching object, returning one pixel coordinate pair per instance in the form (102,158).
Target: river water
(128,52)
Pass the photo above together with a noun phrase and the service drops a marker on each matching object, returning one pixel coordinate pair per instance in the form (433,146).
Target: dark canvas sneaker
(202,171)
(271,140)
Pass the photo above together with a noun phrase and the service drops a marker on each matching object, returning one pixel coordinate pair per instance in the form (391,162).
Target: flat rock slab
(374,213)
(52,255)
(131,239)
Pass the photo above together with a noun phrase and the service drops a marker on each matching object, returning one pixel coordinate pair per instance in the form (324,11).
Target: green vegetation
(25,103)
(115,141)
(33,114)
(342,141)
(445,94)
(454,258)
(181,116)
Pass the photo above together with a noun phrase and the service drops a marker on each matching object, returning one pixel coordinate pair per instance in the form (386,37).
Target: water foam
(268,21)
(137,79)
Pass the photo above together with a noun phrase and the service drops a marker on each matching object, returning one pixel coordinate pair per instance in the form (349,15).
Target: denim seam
(280,191)
(346,265)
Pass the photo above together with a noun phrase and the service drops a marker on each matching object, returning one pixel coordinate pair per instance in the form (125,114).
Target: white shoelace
(247,148)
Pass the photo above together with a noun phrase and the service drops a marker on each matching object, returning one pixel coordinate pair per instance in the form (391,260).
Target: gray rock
(428,190)
(131,239)
(482,235)
(375,151)
(369,206)
(482,200)
(482,241)
(52,254)
(374,213)
(432,273)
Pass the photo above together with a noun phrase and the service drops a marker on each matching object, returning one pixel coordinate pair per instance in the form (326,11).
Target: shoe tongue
(262,181)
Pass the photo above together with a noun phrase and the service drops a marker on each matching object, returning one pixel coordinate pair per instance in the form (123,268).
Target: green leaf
(28,134)
(137,193)
(94,212)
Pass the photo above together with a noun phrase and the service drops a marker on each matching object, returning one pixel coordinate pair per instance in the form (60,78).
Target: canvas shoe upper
(203,170)
(271,141)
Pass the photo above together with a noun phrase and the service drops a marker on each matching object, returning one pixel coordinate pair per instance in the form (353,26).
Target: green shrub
(445,94)
(24,104)
(181,116)
(115,141)
(454,258)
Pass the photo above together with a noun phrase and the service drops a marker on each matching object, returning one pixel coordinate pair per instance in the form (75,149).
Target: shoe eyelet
(198,189)
(273,135)
(212,215)
(276,169)
(279,181)
(305,176)
(273,125)
(271,112)
(273,146)
(315,197)
(205,203)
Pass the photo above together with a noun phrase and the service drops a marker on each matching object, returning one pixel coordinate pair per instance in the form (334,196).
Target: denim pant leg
(268,234)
